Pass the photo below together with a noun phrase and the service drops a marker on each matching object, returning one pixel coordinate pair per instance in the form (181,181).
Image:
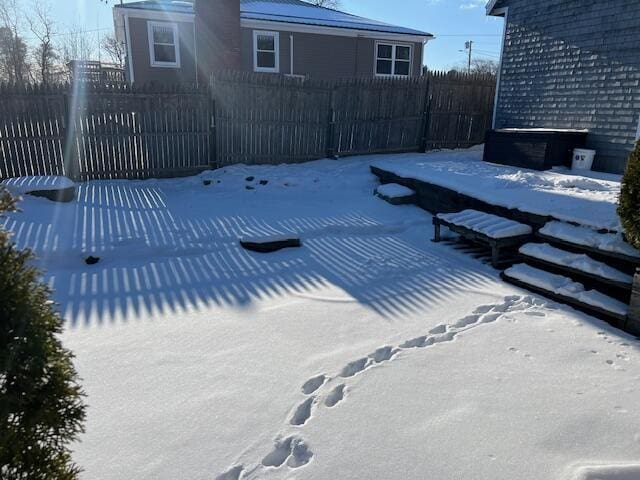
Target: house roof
(286,11)
(493,7)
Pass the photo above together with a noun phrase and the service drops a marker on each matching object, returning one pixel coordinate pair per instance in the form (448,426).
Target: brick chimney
(217,36)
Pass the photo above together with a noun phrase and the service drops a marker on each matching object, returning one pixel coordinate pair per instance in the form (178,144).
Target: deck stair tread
(575,264)
(565,290)
(487,224)
(585,239)
(501,235)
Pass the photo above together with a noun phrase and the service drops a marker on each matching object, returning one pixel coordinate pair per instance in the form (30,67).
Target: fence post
(331,126)
(70,154)
(213,133)
(426,115)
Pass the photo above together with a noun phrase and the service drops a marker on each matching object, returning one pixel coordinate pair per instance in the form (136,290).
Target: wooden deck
(437,199)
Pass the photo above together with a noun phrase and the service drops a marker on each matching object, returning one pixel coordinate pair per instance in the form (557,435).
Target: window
(393,60)
(164,47)
(266,51)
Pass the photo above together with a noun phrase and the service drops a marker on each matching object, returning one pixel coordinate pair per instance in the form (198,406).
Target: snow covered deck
(456,180)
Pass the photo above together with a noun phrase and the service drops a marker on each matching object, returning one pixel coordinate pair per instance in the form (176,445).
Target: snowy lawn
(588,198)
(369,353)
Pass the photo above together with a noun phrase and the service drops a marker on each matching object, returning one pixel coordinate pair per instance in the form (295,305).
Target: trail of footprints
(294,452)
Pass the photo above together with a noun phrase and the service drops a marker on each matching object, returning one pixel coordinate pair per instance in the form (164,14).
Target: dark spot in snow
(206,182)
(91,260)
(264,182)
(248,187)
(250,179)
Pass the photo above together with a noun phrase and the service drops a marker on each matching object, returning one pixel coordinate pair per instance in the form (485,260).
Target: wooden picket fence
(116,131)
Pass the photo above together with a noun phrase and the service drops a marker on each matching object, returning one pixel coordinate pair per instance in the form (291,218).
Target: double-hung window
(393,60)
(164,44)
(266,51)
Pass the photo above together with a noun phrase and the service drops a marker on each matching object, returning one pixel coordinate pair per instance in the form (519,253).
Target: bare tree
(14,65)
(45,54)
(78,45)
(486,66)
(478,65)
(114,49)
(325,3)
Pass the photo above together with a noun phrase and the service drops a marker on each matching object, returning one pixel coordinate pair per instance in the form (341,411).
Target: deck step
(565,290)
(501,235)
(580,267)
(608,247)
(396,194)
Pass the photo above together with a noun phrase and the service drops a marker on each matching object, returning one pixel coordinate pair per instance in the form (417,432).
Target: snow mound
(608,472)
(394,190)
(608,242)
(582,262)
(566,287)
(490,225)
(23,185)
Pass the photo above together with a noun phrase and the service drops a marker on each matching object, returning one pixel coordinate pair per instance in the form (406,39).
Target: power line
(77,32)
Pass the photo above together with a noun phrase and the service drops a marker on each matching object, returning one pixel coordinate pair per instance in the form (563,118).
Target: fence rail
(117,131)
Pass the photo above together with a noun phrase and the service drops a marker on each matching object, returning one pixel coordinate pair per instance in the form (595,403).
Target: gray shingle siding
(574,64)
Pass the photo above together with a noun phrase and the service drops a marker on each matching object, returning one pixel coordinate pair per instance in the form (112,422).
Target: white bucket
(582,159)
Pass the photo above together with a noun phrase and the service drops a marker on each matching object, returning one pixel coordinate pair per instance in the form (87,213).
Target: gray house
(183,41)
(572,64)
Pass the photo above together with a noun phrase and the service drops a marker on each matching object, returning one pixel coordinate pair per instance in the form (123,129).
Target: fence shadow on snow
(157,257)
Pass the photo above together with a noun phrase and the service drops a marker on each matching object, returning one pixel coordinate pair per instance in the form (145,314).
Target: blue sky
(452,21)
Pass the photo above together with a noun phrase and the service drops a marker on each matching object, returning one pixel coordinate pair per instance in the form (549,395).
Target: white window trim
(393,59)
(176,39)
(276,46)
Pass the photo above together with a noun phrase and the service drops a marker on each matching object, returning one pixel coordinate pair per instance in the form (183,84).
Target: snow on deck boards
(487,224)
(581,199)
(566,287)
(576,261)
(608,242)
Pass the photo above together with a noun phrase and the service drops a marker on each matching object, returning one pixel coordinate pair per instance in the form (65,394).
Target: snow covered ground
(587,198)
(368,353)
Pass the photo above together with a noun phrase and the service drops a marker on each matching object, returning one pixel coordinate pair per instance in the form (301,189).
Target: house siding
(325,57)
(574,64)
(143,72)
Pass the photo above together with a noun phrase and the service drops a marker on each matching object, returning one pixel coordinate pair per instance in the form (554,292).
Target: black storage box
(537,149)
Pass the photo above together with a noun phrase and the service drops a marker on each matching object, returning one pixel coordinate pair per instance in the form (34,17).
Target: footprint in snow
(313,384)
(383,354)
(439,329)
(302,413)
(292,450)
(355,367)
(231,474)
(418,342)
(335,396)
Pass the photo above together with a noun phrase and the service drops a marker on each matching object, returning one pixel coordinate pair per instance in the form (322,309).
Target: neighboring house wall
(325,57)
(144,72)
(574,64)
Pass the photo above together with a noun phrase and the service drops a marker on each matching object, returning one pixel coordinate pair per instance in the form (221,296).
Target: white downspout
(291,54)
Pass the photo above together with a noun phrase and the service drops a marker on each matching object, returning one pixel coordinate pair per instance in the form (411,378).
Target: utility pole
(469,46)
